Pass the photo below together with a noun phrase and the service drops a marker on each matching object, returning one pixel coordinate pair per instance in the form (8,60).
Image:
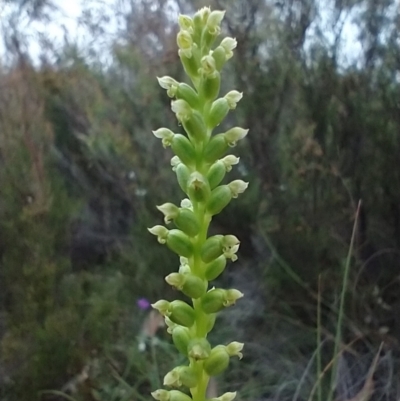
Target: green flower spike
(200,163)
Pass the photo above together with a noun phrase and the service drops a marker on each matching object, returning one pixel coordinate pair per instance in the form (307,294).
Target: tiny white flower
(214,22)
(233,98)
(237,187)
(175,161)
(182,109)
(161,232)
(230,299)
(229,44)
(161,395)
(208,65)
(185,23)
(229,161)
(169,210)
(185,42)
(235,134)
(170,84)
(204,13)
(235,348)
(162,306)
(186,204)
(166,136)
(225,397)
(230,240)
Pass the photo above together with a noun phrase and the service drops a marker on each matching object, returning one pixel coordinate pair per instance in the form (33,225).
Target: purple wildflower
(143,304)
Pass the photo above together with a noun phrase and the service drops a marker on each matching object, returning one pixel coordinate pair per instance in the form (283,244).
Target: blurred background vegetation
(81,173)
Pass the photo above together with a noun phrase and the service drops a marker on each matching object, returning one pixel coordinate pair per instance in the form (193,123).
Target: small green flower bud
(215,148)
(162,306)
(181,313)
(166,136)
(213,301)
(212,248)
(211,78)
(199,349)
(210,86)
(217,245)
(234,349)
(187,93)
(176,395)
(169,210)
(216,173)
(235,134)
(214,22)
(222,195)
(198,187)
(213,29)
(190,64)
(181,376)
(188,222)
(175,280)
(195,127)
(173,395)
(219,110)
(194,287)
(181,337)
(217,362)
(170,84)
(182,174)
(217,299)
(182,110)
(219,55)
(233,97)
(185,23)
(237,187)
(185,42)
(171,379)
(187,376)
(211,321)
(161,395)
(183,148)
(219,199)
(179,243)
(191,285)
(161,232)
(201,17)
(215,268)
(198,27)
(225,397)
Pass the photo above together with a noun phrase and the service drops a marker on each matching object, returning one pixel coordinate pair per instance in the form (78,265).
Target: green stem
(199,392)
